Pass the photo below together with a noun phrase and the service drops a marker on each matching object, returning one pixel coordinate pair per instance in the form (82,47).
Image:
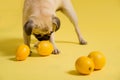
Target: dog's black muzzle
(42,37)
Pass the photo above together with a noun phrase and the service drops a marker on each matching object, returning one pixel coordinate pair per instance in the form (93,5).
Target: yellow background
(99,22)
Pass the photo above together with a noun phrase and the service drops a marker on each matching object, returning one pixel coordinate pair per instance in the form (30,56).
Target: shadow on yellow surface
(74,73)
(8,46)
(67,42)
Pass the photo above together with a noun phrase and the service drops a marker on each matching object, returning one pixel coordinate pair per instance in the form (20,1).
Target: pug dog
(40,20)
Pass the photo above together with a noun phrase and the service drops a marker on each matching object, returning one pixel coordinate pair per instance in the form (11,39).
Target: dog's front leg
(55,51)
(27,40)
(27,30)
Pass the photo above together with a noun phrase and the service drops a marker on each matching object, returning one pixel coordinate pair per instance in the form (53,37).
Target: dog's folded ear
(28,27)
(56,23)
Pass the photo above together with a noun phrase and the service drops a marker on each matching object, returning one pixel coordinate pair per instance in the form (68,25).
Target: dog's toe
(30,53)
(83,42)
(55,51)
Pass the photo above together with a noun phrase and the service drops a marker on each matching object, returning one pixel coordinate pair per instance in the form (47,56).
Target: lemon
(98,59)
(45,48)
(22,52)
(84,65)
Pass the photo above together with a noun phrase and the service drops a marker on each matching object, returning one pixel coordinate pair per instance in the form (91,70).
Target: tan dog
(39,19)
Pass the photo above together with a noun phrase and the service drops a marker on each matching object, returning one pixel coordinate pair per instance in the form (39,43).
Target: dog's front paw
(83,42)
(30,53)
(55,51)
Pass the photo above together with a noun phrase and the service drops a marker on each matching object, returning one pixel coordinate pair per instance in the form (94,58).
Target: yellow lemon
(84,65)
(45,48)
(22,52)
(98,59)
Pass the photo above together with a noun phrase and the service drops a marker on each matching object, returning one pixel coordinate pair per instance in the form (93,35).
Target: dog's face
(42,28)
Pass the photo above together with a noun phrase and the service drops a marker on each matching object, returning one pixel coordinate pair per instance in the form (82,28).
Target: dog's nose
(44,37)
(37,35)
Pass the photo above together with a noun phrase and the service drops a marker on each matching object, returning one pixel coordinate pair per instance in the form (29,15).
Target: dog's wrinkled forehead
(39,30)
(42,27)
